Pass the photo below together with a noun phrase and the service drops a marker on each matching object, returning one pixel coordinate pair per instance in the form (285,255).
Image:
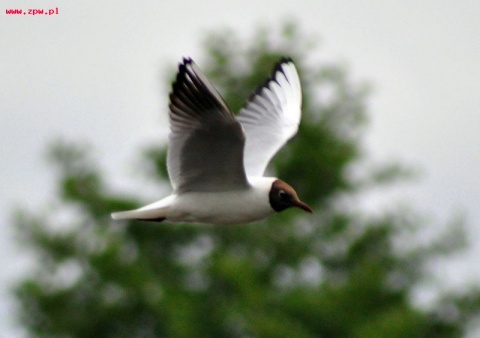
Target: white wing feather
(206,140)
(271,117)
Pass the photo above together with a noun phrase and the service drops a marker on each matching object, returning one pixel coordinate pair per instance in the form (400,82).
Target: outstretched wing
(271,117)
(206,140)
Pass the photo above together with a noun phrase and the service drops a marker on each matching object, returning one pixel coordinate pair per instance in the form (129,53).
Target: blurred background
(387,153)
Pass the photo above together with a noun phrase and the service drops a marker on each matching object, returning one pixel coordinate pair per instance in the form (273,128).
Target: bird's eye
(282,194)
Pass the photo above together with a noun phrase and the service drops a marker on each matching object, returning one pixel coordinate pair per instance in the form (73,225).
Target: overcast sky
(95,72)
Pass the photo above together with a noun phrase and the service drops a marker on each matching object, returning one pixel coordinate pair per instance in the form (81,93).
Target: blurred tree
(336,273)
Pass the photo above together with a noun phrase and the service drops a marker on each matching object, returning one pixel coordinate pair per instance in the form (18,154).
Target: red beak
(303,206)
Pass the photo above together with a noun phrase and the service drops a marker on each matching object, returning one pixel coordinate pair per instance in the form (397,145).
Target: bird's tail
(142,215)
(153,212)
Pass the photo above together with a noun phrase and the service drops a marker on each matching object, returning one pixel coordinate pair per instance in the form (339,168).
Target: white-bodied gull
(216,160)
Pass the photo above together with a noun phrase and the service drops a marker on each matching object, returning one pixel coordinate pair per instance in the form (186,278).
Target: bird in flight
(216,160)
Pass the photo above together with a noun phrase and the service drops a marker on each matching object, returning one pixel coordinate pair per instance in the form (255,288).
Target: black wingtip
(182,73)
(182,68)
(187,60)
(285,59)
(278,67)
(192,90)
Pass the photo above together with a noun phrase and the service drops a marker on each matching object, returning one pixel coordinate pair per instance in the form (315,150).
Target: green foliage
(336,273)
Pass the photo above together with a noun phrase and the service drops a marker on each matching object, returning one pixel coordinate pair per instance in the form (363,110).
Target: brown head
(283,196)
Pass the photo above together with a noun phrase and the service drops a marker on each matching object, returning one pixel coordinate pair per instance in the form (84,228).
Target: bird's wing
(271,116)
(206,141)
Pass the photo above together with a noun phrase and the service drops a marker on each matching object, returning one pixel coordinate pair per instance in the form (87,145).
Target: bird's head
(283,196)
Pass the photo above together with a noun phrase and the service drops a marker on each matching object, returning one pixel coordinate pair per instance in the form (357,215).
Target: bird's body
(216,161)
(224,207)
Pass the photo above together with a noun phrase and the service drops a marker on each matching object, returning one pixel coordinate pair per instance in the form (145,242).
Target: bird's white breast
(227,207)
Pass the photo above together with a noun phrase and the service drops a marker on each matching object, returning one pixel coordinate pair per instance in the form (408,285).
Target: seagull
(216,161)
